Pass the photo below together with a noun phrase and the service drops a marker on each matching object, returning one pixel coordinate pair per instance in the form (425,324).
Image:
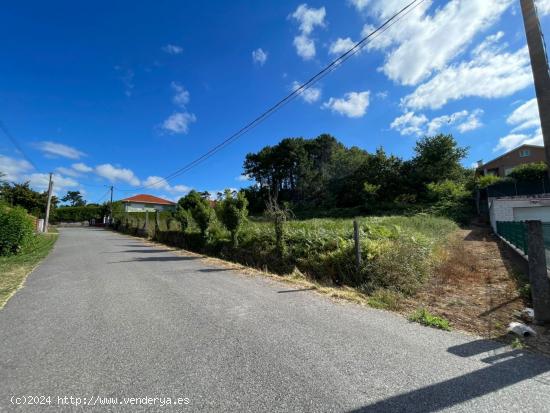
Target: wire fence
(516,234)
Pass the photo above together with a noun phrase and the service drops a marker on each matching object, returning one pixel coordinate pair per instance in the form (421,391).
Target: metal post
(357,246)
(538,273)
(48,205)
(539,66)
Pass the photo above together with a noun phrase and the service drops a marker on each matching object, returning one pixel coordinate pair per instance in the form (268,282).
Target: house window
(524,153)
(507,171)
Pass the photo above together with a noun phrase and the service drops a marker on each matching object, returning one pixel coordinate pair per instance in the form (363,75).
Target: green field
(15,268)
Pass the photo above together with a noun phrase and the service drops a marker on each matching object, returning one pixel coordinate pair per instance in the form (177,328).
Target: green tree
(199,208)
(232,211)
(23,195)
(437,158)
(74,198)
(182,216)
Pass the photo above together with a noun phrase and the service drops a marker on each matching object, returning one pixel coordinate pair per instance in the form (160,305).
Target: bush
(529,172)
(78,213)
(232,212)
(16,230)
(451,199)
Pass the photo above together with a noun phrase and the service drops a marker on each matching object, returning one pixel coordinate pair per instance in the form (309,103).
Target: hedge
(16,230)
(78,214)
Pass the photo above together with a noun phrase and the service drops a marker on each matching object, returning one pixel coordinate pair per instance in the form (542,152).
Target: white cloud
(543,7)
(243,178)
(82,167)
(114,174)
(472,122)
(13,168)
(413,124)
(157,182)
(360,5)
(259,56)
(127,78)
(178,122)
(54,149)
(489,74)
(525,116)
(40,182)
(172,49)
(308,18)
(352,105)
(67,171)
(181,96)
(410,124)
(305,47)
(423,43)
(514,140)
(310,95)
(19,170)
(340,46)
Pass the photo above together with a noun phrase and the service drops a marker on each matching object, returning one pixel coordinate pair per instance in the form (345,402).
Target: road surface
(107,318)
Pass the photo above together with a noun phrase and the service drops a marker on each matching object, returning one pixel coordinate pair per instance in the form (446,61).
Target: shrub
(79,213)
(199,208)
(424,317)
(182,216)
(16,230)
(529,172)
(232,212)
(450,199)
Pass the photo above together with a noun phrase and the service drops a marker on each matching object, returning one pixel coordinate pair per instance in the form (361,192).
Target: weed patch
(424,317)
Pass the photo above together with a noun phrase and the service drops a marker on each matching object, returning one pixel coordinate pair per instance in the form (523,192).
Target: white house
(147,203)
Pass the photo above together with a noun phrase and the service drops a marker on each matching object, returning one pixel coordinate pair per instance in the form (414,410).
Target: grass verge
(14,269)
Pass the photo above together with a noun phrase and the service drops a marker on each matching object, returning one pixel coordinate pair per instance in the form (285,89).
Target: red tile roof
(148,199)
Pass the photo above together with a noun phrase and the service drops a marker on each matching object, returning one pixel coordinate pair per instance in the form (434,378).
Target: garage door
(541,213)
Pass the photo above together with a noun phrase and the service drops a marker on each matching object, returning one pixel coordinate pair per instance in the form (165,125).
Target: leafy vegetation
(15,268)
(424,317)
(399,253)
(79,213)
(322,174)
(16,230)
(74,198)
(232,212)
(21,194)
(529,171)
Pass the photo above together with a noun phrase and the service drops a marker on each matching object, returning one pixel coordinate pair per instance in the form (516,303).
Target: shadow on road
(156,259)
(504,369)
(296,291)
(213,269)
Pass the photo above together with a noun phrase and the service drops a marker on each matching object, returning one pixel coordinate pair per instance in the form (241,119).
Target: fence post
(538,273)
(146,229)
(157,222)
(357,246)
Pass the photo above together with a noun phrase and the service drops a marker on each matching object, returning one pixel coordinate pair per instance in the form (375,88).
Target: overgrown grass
(398,253)
(424,317)
(385,299)
(15,268)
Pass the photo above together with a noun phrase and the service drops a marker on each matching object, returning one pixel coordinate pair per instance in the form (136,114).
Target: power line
(16,144)
(296,92)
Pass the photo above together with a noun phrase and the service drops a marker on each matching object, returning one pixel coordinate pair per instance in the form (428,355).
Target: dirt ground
(478,288)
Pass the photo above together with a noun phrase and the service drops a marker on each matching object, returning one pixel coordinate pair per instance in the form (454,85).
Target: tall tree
(74,198)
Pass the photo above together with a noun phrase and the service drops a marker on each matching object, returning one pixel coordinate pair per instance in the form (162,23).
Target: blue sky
(123,92)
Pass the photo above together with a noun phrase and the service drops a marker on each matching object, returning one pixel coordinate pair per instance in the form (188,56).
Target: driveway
(107,318)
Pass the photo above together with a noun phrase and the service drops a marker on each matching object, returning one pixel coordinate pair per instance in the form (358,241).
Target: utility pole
(539,65)
(50,190)
(111,207)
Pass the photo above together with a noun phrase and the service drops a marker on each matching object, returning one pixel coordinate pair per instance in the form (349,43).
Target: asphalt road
(109,316)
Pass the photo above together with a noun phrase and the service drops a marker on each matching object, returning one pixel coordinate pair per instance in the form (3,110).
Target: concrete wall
(502,209)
